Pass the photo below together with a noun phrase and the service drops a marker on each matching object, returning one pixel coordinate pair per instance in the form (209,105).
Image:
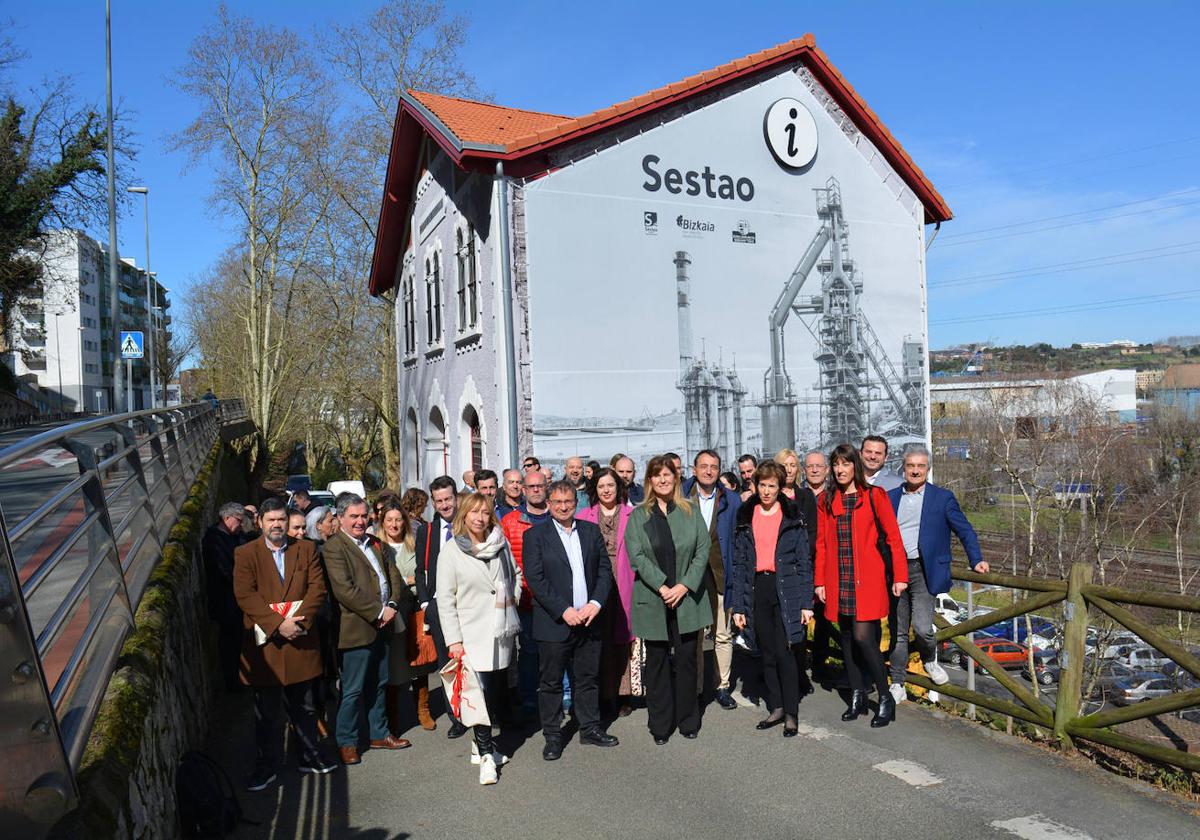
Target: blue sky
(1065,136)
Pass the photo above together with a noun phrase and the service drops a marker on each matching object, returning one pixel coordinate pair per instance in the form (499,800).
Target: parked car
(296,483)
(1112,642)
(1045,666)
(1141,686)
(1143,658)
(1044,631)
(1006,654)
(321,498)
(1107,674)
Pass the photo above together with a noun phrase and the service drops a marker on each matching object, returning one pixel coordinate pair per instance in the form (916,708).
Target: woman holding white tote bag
(478,584)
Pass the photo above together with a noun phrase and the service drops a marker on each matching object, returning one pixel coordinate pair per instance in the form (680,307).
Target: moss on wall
(157,702)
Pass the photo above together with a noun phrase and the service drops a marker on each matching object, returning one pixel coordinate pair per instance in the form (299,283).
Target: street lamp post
(82,406)
(58,361)
(145,193)
(114,278)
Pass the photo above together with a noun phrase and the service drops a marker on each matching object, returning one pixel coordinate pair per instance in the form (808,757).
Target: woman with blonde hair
(790,461)
(396,533)
(477,589)
(668,546)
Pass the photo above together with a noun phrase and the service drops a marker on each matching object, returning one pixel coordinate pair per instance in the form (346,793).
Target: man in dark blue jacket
(569,572)
(927,514)
(719,508)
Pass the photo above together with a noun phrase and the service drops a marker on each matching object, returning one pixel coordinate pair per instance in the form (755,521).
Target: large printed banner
(657,265)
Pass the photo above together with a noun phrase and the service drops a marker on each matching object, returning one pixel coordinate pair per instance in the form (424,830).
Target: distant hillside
(1044,357)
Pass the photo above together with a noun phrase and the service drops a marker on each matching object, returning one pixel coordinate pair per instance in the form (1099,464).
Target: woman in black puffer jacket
(772,590)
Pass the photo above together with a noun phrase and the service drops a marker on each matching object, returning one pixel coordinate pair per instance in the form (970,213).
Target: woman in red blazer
(850,565)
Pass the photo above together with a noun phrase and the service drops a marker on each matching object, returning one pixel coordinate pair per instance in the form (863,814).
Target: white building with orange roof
(735,261)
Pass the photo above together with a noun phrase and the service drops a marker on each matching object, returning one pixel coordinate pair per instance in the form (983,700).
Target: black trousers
(670,679)
(582,651)
(229,651)
(297,702)
(781,661)
(495,687)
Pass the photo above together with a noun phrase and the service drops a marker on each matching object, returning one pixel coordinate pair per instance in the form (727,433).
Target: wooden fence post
(1071,656)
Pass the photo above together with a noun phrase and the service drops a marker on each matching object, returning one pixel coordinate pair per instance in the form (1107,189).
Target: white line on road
(909,771)
(817,733)
(1037,827)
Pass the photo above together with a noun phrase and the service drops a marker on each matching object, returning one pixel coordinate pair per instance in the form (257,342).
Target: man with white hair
(926,514)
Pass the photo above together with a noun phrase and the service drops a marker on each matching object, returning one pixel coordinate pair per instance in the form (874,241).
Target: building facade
(586,282)
(62,339)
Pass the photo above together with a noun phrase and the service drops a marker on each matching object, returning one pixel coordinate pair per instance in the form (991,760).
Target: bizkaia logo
(694,226)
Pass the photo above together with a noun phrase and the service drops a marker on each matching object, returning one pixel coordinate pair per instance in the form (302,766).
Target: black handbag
(881,543)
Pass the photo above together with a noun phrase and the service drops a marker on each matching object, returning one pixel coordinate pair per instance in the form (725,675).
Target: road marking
(909,771)
(817,733)
(1037,827)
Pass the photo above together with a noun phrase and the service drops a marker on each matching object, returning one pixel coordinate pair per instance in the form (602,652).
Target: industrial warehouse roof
(478,135)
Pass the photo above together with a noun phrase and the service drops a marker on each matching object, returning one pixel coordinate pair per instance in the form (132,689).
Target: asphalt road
(928,775)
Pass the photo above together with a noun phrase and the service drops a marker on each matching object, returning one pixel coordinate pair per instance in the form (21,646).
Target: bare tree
(403,44)
(263,105)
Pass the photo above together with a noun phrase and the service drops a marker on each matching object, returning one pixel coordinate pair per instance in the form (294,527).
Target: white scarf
(507,623)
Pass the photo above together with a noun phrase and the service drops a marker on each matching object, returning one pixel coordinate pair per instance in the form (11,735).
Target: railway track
(1148,567)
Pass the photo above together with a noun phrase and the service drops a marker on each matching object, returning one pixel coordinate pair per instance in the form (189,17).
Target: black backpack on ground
(207,803)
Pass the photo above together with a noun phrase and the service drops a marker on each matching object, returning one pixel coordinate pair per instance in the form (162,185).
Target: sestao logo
(791,133)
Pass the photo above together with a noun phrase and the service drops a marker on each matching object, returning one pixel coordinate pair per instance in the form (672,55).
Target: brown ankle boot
(392,708)
(421,690)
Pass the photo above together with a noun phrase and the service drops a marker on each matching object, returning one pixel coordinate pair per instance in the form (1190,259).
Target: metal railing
(86,509)
(1066,717)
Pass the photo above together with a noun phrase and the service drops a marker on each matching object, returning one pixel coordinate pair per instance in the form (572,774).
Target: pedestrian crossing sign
(131,344)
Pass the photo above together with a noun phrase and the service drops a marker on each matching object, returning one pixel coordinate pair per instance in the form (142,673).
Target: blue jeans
(364,678)
(527,662)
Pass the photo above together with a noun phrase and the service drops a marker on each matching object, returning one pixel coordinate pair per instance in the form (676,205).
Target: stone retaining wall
(158,700)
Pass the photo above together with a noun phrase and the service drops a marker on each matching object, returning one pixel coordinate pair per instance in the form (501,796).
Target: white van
(355,487)
(948,608)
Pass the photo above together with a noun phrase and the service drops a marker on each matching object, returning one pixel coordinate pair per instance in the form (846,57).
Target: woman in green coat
(668,548)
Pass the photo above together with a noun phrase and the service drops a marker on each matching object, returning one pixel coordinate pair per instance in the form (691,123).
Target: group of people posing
(591,593)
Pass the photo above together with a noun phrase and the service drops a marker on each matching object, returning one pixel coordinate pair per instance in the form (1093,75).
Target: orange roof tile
(483,122)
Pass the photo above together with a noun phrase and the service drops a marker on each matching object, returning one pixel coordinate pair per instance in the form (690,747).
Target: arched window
(412,449)
(433,298)
(468,280)
(437,457)
(409,313)
(473,430)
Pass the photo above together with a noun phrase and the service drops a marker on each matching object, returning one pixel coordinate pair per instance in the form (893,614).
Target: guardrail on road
(86,508)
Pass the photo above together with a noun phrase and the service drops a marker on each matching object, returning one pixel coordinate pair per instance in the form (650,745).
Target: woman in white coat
(477,586)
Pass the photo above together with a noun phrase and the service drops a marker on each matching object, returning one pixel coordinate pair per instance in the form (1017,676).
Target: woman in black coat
(772,590)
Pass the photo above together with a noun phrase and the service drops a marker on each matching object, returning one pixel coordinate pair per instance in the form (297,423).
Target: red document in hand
(287,609)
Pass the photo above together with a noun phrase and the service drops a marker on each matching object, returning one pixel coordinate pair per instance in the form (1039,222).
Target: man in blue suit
(570,574)
(926,514)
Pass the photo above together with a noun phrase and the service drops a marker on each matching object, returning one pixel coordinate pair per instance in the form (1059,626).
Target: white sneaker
(500,758)
(487,771)
(937,674)
(898,693)
(474,753)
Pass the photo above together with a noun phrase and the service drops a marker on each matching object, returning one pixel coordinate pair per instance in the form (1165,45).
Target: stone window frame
(466,262)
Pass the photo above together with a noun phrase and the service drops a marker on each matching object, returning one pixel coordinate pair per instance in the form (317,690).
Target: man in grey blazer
(570,574)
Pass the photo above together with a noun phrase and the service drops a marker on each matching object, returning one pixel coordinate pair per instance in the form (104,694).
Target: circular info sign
(791,133)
